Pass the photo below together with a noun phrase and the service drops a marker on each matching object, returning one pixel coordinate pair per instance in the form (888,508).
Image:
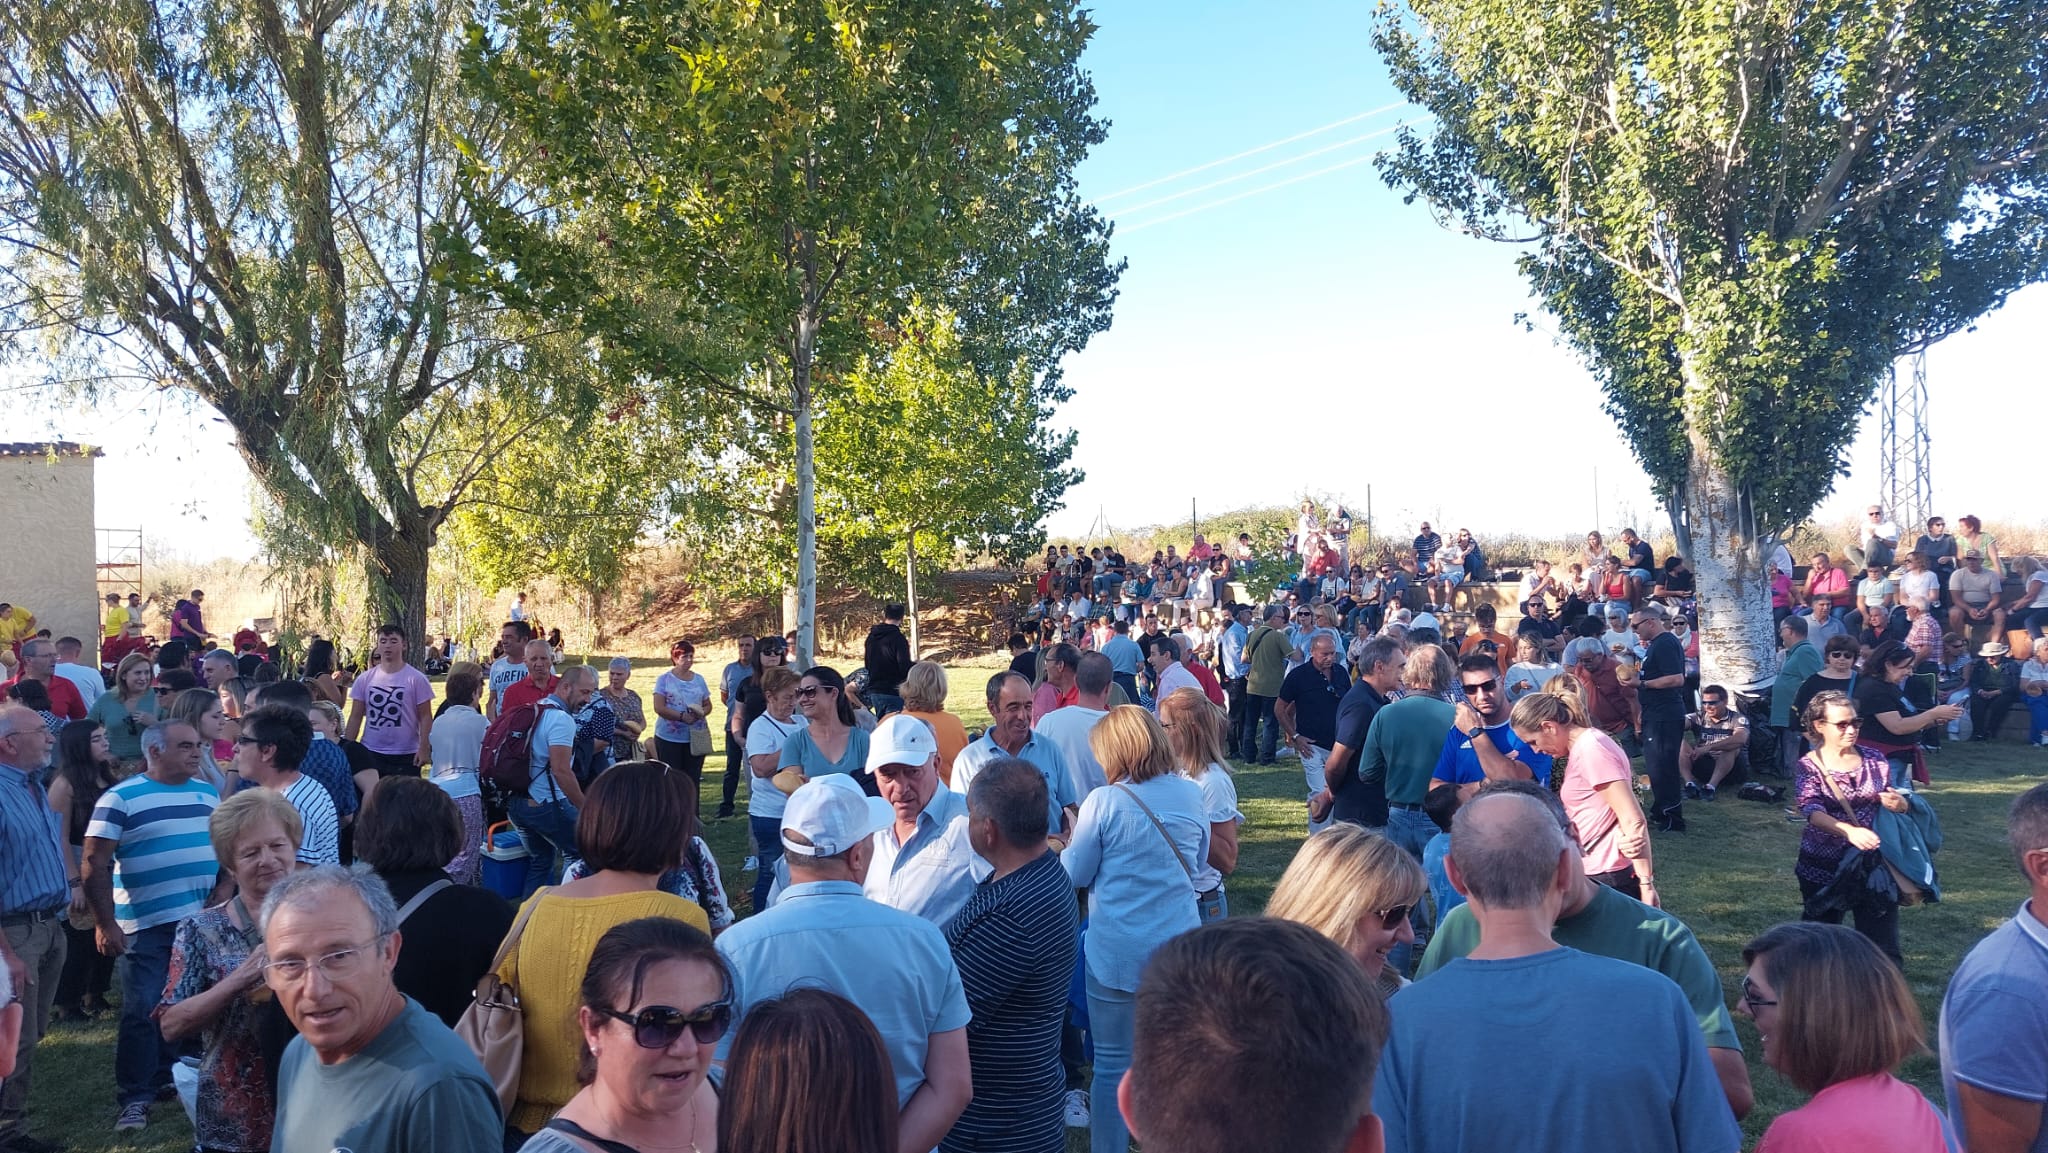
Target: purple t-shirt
(391,707)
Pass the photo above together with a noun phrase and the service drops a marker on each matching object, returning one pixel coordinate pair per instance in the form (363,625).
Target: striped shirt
(32,873)
(321,844)
(1015,942)
(163,859)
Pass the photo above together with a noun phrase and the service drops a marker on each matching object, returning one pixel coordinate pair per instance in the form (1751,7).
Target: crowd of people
(978,941)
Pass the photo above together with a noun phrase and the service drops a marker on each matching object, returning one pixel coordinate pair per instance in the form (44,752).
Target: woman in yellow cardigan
(635,822)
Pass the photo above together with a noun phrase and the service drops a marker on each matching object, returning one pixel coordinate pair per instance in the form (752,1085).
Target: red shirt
(528,692)
(64,698)
(1210,688)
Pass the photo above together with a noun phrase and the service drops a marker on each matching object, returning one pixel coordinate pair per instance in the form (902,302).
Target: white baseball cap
(1422,621)
(901,740)
(833,814)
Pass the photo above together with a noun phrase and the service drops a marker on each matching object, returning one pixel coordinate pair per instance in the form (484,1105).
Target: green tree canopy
(1740,214)
(787,176)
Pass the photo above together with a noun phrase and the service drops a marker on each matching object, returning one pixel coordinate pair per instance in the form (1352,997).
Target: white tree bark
(910,587)
(1730,560)
(806,528)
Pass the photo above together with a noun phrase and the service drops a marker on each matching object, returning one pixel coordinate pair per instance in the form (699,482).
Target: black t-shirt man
(1664,658)
(1315,697)
(1359,801)
(1640,556)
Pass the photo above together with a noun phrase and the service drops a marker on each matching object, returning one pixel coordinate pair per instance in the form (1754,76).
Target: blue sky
(1321,337)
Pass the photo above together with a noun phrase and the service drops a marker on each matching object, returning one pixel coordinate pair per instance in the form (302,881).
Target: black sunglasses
(1484,686)
(1391,918)
(658,1026)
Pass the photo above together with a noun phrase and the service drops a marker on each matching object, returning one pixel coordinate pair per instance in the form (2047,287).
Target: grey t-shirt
(416,1088)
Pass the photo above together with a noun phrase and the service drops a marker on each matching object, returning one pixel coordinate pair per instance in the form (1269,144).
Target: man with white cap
(923,863)
(825,933)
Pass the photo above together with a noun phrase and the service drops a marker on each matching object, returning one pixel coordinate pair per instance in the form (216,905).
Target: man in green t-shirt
(1599,920)
(1265,655)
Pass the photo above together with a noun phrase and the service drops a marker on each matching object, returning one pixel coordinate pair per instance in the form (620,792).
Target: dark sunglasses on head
(658,1026)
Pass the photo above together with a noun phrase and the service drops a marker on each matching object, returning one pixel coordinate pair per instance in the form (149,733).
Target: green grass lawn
(1730,877)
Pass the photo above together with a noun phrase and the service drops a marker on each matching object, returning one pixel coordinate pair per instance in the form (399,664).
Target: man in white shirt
(1878,543)
(1535,583)
(1163,654)
(923,863)
(86,678)
(509,669)
(1067,728)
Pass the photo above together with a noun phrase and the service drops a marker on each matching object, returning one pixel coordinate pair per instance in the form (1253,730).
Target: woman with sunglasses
(1357,888)
(629,832)
(1841,784)
(655,1000)
(1598,789)
(127,709)
(1836,1018)
(748,702)
(1837,674)
(831,741)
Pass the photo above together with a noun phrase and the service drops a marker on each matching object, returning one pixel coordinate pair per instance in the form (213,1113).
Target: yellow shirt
(547,970)
(117,619)
(18,624)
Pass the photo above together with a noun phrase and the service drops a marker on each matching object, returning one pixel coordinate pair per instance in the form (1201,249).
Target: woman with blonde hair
(1836,1018)
(924,697)
(127,709)
(1194,735)
(1355,887)
(1598,790)
(1136,844)
(201,709)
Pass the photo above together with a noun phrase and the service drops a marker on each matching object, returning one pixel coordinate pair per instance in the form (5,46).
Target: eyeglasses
(811,691)
(1841,656)
(1392,916)
(1751,998)
(245,740)
(334,966)
(1849,726)
(160,690)
(1483,686)
(658,1026)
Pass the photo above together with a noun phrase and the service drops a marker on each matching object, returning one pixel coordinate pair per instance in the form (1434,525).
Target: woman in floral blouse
(216,966)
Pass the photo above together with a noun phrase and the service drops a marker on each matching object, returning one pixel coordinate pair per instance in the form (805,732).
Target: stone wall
(48,549)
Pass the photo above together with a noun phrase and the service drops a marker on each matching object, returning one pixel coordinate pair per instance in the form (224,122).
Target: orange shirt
(1503,648)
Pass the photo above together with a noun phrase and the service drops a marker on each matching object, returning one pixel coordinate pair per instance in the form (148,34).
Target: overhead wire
(1267,147)
(1251,172)
(1218,203)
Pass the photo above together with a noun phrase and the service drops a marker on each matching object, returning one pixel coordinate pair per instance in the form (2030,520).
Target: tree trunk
(910,587)
(1730,560)
(398,584)
(806,522)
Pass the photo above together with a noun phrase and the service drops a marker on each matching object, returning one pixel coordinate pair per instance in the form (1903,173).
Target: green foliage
(1740,213)
(256,206)
(769,186)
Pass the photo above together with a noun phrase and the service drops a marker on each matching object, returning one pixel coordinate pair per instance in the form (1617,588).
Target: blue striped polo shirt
(163,859)
(32,867)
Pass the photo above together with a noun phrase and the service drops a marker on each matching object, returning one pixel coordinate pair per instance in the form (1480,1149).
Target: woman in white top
(2034,691)
(1532,669)
(457,739)
(2030,609)
(778,722)
(682,700)
(1194,734)
(1136,844)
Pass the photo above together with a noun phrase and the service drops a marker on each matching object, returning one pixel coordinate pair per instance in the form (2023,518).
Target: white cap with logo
(834,814)
(901,739)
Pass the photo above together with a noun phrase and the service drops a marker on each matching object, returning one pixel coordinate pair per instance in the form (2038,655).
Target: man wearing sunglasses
(824,932)
(1481,745)
(370,1068)
(1608,923)
(1648,1085)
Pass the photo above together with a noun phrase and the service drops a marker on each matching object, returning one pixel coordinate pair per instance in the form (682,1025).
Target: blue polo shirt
(1459,764)
(828,935)
(1050,761)
(32,870)
(1124,655)
(932,874)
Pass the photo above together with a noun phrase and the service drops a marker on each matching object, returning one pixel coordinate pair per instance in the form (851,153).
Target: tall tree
(1740,214)
(252,203)
(924,456)
(796,172)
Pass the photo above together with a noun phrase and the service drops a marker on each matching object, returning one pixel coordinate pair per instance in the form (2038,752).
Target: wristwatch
(1474,734)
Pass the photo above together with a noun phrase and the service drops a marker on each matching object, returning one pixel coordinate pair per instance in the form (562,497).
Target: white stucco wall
(48,553)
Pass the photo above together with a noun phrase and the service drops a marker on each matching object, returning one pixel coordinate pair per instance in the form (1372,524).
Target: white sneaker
(751,864)
(1076,1109)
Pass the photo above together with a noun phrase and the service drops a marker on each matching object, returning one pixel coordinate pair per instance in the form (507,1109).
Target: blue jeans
(884,703)
(1112,1025)
(767,851)
(1130,683)
(1412,830)
(1213,905)
(142,1058)
(549,831)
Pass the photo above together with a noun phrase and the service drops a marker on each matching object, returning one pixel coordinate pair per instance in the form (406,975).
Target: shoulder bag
(1910,891)
(1154,818)
(494,1026)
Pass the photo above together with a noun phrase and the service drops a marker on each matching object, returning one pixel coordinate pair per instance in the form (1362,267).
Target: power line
(1250,152)
(1251,172)
(1352,163)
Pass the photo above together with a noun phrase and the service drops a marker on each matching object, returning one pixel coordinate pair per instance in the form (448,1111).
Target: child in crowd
(1440,806)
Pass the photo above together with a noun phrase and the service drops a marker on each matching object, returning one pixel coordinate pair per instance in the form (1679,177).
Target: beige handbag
(494,1027)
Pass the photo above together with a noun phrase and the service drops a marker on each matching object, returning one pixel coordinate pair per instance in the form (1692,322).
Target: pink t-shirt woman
(1874,1114)
(1595,761)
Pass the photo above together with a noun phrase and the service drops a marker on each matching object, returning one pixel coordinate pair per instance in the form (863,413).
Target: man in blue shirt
(1009,735)
(825,933)
(923,862)
(1230,655)
(1481,744)
(1124,658)
(1649,1088)
(35,887)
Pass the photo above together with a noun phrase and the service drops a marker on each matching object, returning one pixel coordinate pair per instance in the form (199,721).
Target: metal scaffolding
(1905,447)
(120,562)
